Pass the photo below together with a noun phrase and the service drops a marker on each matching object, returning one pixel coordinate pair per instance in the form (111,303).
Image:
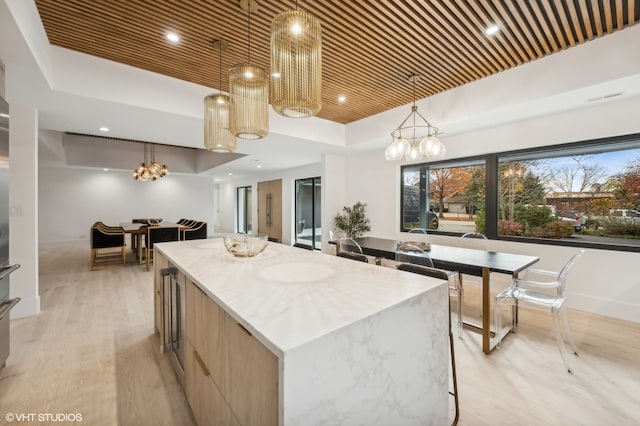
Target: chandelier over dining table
(151,171)
(415,138)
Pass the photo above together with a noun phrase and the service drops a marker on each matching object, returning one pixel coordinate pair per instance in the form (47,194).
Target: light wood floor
(92,351)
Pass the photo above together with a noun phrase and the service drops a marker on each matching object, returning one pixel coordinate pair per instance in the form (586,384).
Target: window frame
(492,162)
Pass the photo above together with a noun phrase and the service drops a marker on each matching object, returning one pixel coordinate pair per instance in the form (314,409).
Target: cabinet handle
(245,330)
(200,363)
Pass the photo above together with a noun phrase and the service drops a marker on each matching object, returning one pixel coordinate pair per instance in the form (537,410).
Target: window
(308,223)
(576,193)
(583,194)
(444,197)
(243,210)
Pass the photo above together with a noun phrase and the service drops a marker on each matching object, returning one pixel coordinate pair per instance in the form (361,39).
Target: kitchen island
(295,337)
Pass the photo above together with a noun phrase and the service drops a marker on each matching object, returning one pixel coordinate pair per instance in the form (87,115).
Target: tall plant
(353,220)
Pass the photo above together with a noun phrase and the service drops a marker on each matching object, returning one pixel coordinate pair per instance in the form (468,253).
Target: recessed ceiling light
(104,129)
(259,166)
(106,170)
(342,99)
(2,114)
(230,174)
(491,29)
(173,37)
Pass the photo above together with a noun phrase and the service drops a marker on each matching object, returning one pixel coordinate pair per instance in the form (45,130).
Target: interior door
(270,209)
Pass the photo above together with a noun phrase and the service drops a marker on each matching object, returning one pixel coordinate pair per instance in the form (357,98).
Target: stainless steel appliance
(176,315)
(5,269)
(5,307)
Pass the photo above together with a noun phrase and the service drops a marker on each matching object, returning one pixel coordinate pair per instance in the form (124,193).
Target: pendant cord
(249,33)
(220,69)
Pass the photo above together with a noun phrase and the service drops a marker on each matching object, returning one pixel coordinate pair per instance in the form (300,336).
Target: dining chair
(553,299)
(478,241)
(335,234)
(349,248)
(159,234)
(410,254)
(443,275)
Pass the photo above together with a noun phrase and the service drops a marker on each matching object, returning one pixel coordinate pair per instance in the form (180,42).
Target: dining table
(138,231)
(467,261)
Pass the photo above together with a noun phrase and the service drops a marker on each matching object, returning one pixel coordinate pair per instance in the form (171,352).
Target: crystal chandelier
(152,171)
(415,140)
(249,92)
(296,64)
(217,137)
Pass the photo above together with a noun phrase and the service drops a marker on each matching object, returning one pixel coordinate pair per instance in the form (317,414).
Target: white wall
(72,199)
(288,176)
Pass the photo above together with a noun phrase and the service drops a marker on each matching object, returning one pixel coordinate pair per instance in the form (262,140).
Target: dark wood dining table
(468,261)
(138,231)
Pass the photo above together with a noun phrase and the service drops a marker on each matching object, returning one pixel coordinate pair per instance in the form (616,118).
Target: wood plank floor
(92,351)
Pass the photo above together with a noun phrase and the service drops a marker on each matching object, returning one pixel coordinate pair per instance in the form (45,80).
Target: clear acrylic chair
(350,249)
(473,240)
(553,300)
(410,254)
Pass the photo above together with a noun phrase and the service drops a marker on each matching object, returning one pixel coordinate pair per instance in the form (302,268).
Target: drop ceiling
(369,47)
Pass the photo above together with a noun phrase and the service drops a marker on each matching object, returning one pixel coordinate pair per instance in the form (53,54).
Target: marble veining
(288,296)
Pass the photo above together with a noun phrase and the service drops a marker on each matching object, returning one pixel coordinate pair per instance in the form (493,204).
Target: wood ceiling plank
(586,19)
(513,28)
(575,20)
(482,19)
(546,44)
(549,26)
(563,29)
(459,18)
(404,60)
(619,14)
(524,28)
(597,19)
(505,34)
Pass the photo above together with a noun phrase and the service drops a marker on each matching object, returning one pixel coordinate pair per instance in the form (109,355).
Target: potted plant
(353,220)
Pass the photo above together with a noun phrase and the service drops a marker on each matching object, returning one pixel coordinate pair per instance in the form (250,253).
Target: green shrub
(620,226)
(509,227)
(532,216)
(481,226)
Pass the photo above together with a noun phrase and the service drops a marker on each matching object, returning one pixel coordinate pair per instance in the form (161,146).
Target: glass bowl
(245,245)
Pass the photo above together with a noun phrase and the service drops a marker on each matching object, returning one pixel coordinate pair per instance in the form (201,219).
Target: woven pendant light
(249,92)
(296,64)
(217,137)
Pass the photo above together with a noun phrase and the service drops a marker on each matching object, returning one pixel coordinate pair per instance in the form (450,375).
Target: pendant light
(217,137)
(296,64)
(415,138)
(249,92)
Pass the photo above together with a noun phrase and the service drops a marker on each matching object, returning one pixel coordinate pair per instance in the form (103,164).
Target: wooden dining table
(138,231)
(467,261)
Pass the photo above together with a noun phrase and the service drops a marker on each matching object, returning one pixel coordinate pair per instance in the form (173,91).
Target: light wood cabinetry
(252,377)
(231,378)
(161,304)
(206,400)
(270,209)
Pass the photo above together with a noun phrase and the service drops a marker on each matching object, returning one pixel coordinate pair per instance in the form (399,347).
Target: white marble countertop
(288,296)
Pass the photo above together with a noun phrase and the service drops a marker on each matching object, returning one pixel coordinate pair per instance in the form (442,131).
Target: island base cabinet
(252,377)
(161,303)
(205,399)
(231,378)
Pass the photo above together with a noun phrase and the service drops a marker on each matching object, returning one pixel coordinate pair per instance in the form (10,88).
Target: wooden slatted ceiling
(369,47)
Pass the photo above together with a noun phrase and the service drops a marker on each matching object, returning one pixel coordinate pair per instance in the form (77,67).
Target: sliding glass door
(243,210)
(308,229)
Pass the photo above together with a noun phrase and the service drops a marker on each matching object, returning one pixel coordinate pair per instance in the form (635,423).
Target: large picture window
(581,194)
(444,197)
